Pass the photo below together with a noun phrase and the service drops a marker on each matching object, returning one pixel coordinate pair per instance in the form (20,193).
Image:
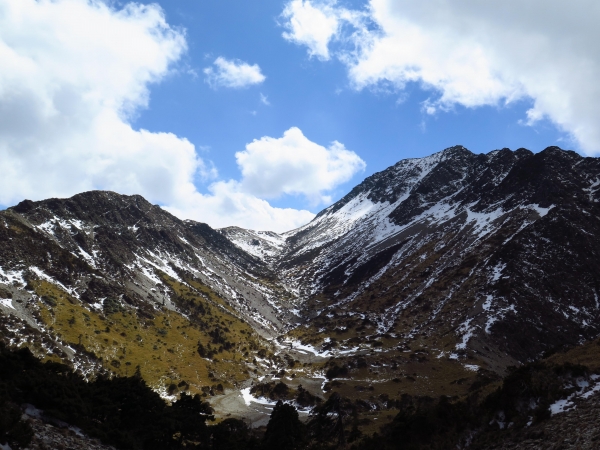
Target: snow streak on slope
(126,238)
(265,245)
(357,209)
(427,232)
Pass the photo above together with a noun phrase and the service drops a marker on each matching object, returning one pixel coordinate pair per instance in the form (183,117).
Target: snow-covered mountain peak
(264,245)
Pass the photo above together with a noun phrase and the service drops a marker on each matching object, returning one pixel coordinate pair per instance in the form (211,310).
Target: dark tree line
(126,413)
(123,412)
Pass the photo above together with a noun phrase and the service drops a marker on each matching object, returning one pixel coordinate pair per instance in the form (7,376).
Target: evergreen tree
(328,421)
(284,430)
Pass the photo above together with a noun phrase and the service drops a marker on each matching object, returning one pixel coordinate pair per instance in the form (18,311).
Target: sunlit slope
(112,283)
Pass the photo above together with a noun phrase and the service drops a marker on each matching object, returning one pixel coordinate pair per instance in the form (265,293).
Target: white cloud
(67,90)
(272,167)
(233,74)
(228,204)
(311,25)
(72,74)
(293,164)
(264,100)
(470,53)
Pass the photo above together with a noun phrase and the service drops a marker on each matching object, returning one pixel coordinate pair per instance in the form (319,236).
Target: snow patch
(487,304)
(89,258)
(467,331)
(585,391)
(6,302)
(497,272)
(561,406)
(249,398)
(302,348)
(12,276)
(98,305)
(541,211)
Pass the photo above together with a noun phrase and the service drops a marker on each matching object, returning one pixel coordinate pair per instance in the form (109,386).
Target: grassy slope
(163,346)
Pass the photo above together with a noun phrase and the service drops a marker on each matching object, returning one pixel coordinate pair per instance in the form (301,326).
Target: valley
(431,278)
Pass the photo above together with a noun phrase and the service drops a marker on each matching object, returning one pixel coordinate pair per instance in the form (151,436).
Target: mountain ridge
(429,277)
(479,198)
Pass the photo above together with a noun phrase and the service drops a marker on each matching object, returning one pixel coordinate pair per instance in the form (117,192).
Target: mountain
(111,282)
(443,271)
(431,277)
(497,253)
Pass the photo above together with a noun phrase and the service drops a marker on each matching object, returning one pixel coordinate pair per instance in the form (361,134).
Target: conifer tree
(284,430)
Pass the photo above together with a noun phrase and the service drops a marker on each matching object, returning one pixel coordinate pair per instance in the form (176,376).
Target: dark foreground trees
(284,430)
(127,414)
(123,412)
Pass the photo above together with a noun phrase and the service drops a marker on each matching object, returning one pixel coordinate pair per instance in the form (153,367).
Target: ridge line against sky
(261,115)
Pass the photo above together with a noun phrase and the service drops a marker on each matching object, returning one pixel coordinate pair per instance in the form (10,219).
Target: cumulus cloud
(295,165)
(311,25)
(272,167)
(72,74)
(229,204)
(67,90)
(470,53)
(233,74)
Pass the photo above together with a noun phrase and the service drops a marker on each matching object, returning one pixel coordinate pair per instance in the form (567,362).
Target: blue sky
(313,95)
(321,93)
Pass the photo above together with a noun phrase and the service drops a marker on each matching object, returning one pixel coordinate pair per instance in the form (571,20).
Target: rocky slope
(491,256)
(113,283)
(126,237)
(575,429)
